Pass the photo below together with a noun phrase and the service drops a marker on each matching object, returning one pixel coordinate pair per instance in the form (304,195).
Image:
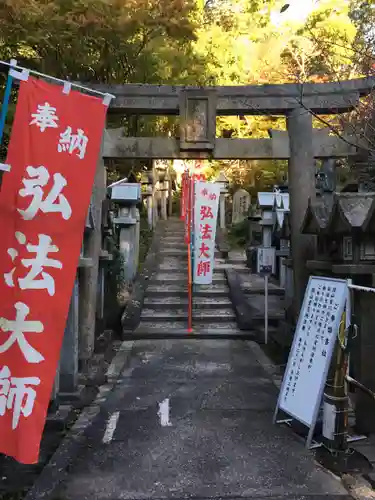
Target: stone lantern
(164,182)
(147,183)
(224,188)
(281,236)
(266,202)
(127,196)
(283,260)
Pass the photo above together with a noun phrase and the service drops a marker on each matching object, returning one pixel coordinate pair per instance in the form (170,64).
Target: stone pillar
(69,351)
(223,183)
(170,193)
(267,235)
(128,239)
(301,173)
(101,292)
(163,194)
(137,239)
(155,199)
(89,275)
(150,208)
(222,210)
(282,272)
(54,400)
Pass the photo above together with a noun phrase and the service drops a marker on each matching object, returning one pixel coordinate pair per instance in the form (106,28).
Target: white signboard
(266,260)
(206,204)
(310,356)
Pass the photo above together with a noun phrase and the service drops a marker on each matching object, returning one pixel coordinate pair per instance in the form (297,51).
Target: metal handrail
(365,389)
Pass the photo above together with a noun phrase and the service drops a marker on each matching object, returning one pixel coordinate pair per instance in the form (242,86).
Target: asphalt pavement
(193,419)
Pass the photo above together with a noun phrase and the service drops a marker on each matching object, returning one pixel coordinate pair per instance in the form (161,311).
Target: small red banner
(44,201)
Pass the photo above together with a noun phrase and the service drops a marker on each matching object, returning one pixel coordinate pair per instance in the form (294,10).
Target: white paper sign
(266,260)
(329,421)
(206,204)
(310,356)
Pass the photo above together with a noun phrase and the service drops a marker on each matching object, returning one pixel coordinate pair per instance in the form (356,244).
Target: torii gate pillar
(301,173)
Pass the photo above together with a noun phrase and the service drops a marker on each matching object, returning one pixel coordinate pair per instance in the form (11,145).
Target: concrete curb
(132,314)
(266,363)
(358,487)
(56,469)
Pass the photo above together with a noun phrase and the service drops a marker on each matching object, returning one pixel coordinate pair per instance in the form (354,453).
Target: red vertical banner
(206,204)
(186,207)
(44,200)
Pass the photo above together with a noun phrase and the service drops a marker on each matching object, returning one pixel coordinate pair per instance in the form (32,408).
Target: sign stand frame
(310,444)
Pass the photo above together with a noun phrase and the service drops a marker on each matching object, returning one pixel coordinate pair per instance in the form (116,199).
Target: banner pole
(190,271)
(192,240)
(5,106)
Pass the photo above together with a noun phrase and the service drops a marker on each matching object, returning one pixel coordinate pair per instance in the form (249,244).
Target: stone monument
(241,206)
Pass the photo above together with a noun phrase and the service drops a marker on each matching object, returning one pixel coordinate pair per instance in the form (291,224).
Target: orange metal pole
(190,294)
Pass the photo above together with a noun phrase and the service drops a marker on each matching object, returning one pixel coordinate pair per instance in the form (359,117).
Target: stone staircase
(165,310)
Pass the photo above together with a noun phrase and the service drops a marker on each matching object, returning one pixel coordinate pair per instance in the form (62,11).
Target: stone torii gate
(198,108)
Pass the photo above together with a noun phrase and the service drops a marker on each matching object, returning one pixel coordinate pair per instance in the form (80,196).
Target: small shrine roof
(317,215)
(351,211)
(281,218)
(281,200)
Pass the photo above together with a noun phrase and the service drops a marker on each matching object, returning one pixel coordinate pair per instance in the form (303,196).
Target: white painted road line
(111,427)
(164,413)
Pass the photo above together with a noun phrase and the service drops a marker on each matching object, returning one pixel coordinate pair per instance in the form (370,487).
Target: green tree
(96,40)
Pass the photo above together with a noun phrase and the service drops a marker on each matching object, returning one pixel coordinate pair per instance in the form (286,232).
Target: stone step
(182,302)
(217,277)
(181,285)
(178,265)
(173,252)
(260,291)
(178,329)
(180,272)
(202,315)
(174,263)
(272,333)
(178,246)
(223,260)
(180,254)
(175,234)
(174,241)
(178,290)
(226,265)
